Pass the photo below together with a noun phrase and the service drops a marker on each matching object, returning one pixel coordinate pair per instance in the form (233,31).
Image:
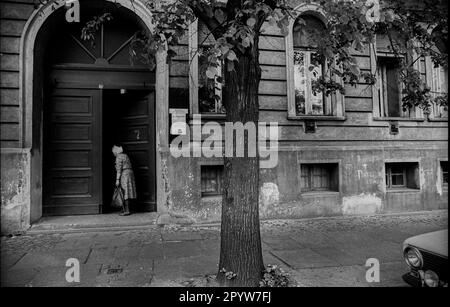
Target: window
(319,177)
(444,170)
(304,65)
(211,180)
(439,87)
(209,90)
(308,67)
(205,93)
(402,175)
(389,87)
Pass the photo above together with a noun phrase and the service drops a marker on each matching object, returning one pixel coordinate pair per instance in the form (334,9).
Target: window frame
(336,104)
(429,67)
(326,100)
(442,172)
(410,168)
(219,182)
(389,174)
(194,102)
(376,111)
(333,174)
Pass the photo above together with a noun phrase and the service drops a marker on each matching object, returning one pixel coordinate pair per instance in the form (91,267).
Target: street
(315,252)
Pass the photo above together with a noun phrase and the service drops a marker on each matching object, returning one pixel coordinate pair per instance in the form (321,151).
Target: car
(427,257)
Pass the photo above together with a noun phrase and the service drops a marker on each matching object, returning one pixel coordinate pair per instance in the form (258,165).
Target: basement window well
(444,170)
(402,175)
(211,182)
(321,177)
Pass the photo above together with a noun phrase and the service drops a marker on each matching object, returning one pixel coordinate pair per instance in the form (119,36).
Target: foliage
(274,276)
(418,27)
(228,274)
(92,26)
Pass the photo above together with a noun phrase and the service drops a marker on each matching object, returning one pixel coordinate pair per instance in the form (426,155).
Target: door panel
(136,132)
(72,152)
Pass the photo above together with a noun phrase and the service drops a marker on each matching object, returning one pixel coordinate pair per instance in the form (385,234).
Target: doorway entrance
(93,98)
(80,128)
(128,120)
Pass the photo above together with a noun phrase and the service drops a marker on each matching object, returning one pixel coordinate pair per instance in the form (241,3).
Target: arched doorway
(76,108)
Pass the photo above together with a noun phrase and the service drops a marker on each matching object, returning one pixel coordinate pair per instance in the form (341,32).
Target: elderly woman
(124,177)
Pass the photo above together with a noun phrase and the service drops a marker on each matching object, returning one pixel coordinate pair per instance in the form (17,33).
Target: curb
(154,226)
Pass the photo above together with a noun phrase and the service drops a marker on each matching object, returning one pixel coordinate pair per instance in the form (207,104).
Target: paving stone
(8,259)
(323,252)
(182,236)
(128,276)
(18,277)
(56,277)
(340,255)
(268,258)
(126,255)
(181,249)
(199,266)
(304,258)
(281,242)
(148,252)
(348,276)
(54,258)
(101,255)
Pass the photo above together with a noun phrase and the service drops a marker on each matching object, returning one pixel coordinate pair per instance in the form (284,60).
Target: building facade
(65,101)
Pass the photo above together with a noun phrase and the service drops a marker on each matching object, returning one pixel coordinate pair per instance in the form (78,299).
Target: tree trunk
(240,250)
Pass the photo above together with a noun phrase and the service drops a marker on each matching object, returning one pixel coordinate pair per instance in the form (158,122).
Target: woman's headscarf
(117,149)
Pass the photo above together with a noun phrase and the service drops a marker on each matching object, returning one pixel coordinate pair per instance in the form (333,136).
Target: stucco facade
(358,143)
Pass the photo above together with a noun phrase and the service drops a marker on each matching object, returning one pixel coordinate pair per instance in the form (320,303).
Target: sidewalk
(316,252)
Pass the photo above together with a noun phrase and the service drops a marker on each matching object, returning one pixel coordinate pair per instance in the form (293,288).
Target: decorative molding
(193,67)
(26,81)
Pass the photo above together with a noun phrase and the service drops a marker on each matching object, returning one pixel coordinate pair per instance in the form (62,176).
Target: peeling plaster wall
(361,204)
(361,185)
(15,192)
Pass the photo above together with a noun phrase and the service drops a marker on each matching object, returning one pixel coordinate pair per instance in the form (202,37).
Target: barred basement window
(402,175)
(444,170)
(319,177)
(211,180)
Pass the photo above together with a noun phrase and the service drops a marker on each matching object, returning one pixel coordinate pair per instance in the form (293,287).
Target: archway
(34,96)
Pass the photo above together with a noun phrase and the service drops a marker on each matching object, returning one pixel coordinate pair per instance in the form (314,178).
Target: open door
(129,119)
(72,182)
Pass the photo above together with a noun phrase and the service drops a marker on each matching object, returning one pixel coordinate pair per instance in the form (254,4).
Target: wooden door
(136,122)
(72,151)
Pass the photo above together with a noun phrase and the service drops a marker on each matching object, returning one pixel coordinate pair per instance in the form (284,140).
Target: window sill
(402,190)
(211,197)
(319,193)
(439,119)
(406,119)
(317,117)
(210,116)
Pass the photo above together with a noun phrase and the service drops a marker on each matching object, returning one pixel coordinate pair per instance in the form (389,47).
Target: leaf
(354,69)
(230,66)
(231,56)
(220,16)
(211,72)
(251,22)
(246,42)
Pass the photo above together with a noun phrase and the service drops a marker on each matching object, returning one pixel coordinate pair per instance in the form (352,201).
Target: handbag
(117,198)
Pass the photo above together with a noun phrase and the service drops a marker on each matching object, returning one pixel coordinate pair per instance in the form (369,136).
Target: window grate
(211,180)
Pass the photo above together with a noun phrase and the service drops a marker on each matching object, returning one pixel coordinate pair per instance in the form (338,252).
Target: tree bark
(240,249)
